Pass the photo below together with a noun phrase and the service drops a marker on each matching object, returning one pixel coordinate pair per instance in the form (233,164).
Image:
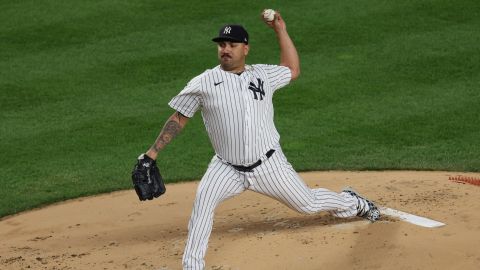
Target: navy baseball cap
(233,33)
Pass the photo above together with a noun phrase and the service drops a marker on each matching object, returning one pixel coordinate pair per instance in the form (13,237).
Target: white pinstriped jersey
(237,110)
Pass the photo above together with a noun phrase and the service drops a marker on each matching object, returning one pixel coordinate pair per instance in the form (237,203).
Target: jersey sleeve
(189,100)
(278,76)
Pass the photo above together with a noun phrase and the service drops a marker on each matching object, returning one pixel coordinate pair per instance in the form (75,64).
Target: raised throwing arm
(288,53)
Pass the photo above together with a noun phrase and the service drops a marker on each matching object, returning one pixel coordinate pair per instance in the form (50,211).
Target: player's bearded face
(232,55)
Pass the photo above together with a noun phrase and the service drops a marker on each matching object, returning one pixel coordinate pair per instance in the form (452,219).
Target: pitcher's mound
(116,231)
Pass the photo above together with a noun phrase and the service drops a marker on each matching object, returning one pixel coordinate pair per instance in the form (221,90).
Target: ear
(246,48)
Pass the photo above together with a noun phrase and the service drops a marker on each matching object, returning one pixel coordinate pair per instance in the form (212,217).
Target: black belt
(254,165)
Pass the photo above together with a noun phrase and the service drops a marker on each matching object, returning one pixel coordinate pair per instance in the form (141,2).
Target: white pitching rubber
(417,220)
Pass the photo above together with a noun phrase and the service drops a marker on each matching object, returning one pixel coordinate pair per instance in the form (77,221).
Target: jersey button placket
(247,118)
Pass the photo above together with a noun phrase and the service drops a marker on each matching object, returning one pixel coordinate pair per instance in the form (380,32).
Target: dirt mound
(116,231)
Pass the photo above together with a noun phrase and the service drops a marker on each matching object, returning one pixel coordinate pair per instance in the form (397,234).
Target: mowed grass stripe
(84,88)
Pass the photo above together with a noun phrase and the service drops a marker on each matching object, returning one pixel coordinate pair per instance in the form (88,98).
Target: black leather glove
(146,178)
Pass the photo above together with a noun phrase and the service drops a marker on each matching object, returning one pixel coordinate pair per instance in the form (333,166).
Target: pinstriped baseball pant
(275,178)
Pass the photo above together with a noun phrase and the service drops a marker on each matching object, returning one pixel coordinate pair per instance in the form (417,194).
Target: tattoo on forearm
(171,129)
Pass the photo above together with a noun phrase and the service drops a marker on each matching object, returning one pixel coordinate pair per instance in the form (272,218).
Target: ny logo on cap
(227,30)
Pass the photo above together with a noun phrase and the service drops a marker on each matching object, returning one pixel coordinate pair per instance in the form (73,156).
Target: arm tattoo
(171,129)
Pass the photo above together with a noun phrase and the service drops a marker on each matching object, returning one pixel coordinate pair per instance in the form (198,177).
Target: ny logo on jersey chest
(257,89)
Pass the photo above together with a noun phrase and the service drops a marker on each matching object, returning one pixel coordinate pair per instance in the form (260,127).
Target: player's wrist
(280,31)
(151,154)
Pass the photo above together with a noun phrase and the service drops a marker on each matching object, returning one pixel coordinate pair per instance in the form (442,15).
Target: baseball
(268,15)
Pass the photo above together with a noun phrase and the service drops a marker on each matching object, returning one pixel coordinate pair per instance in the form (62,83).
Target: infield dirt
(116,231)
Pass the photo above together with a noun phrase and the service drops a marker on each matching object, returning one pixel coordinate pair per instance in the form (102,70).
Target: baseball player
(235,100)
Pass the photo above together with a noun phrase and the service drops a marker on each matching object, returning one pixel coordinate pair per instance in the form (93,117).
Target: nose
(226,48)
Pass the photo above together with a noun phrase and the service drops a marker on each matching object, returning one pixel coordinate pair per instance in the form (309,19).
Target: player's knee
(204,203)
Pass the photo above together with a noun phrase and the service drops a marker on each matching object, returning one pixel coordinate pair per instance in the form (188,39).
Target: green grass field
(84,87)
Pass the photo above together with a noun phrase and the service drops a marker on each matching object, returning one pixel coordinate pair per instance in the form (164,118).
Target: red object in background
(465,180)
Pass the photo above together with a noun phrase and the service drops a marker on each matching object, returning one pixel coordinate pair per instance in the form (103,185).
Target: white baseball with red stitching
(269,15)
